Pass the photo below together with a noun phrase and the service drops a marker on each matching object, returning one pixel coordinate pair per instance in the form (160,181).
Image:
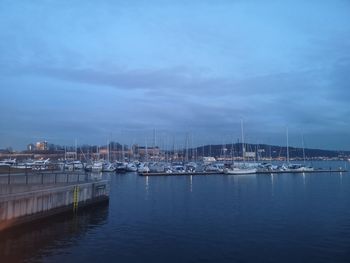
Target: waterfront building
(41,146)
(30,147)
(152,151)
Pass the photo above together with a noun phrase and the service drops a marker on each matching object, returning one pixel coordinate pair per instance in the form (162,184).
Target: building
(30,147)
(41,146)
(151,151)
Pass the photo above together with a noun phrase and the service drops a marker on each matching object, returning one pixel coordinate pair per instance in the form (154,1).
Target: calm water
(216,218)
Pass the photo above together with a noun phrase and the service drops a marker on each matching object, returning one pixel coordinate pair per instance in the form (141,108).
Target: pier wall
(23,203)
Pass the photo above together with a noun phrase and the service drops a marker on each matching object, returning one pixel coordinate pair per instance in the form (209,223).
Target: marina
(174,131)
(28,194)
(172,216)
(202,167)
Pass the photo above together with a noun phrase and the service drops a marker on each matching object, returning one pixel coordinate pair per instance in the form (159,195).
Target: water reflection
(191,183)
(272,183)
(46,237)
(147,184)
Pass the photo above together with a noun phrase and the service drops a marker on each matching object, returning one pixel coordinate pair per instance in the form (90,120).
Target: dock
(24,198)
(258,172)
(303,172)
(179,174)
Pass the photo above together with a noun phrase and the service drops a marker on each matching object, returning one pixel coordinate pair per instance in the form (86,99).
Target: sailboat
(107,166)
(301,167)
(296,167)
(242,169)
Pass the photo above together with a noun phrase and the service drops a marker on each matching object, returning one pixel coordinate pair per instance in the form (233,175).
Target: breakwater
(25,202)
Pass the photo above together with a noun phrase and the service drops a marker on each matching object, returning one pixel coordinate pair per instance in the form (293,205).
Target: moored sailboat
(244,169)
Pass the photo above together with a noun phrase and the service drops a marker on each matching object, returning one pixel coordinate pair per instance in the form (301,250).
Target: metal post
(42,178)
(26,172)
(9,176)
(55,178)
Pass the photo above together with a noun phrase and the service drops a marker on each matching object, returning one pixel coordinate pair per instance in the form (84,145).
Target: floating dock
(303,172)
(178,174)
(258,172)
(24,202)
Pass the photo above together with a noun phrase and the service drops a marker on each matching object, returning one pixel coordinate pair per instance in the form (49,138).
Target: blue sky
(98,70)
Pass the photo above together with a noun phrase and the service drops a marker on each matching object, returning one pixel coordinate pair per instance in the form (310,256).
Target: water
(216,218)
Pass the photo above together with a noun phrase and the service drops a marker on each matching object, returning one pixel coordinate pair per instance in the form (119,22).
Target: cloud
(301,98)
(97,68)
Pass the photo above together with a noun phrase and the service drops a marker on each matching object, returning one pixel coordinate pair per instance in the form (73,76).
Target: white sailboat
(107,165)
(8,162)
(41,164)
(143,168)
(296,167)
(131,167)
(97,166)
(242,169)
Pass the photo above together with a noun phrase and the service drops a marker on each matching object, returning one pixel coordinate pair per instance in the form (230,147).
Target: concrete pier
(21,203)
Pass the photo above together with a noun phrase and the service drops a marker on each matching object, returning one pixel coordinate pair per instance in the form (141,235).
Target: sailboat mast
(186,149)
(146,152)
(173,157)
(243,148)
(232,151)
(287,146)
(76,149)
(154,138)
(302,142)
(123,156)
(108,151)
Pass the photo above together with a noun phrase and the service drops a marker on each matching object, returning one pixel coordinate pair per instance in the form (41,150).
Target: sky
(94,71)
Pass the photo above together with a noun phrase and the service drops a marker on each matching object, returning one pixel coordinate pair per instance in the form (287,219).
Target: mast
(287,147)
(186,151)
(123,156)
(191,146)
(146,152)
(76,149)
(108,151)
(302,142)
(173,148)
(243,148)
(154,139)
(232,151)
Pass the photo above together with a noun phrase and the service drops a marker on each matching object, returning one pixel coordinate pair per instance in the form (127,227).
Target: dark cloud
(89,70)
(178,100)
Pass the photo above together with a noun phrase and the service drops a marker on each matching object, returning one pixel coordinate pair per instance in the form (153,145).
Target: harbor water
(211,218)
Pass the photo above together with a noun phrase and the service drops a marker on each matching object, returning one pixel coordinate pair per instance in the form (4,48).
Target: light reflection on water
(216,218)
